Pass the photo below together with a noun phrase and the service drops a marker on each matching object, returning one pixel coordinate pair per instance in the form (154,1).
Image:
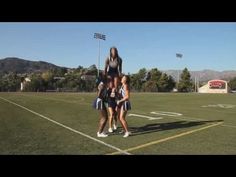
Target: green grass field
(65,123)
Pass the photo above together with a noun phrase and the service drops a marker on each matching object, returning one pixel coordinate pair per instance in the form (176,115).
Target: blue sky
(203,45)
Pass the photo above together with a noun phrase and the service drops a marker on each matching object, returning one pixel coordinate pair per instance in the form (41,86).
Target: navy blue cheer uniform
(114,66)
(99,102)
(126,104)
(111,101)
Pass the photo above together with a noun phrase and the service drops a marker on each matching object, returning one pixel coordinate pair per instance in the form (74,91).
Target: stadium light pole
(99,36)
(178,55)
(198,81)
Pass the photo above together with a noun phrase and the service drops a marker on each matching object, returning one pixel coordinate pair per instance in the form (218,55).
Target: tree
(136,79)
(92,70)
(48,79)
(36,84)
(171,83)
(232,83)
(58,72)
(163,83)
(148,81)
(79,69)
(47,76)
(141,73)
(155,75)
(185,83)
(152,83)
(150,86)
(9,82)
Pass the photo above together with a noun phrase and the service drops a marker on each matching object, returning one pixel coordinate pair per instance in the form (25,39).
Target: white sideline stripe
(56,99)
(68,128)
(143,116)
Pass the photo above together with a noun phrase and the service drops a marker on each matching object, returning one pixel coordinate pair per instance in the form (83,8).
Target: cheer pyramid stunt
(113,95)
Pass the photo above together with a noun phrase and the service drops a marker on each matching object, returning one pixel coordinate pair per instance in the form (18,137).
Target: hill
(18,65)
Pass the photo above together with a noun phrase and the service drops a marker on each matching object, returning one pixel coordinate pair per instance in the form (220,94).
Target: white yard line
(226,125)
(175,115)
(186,118)
(66,127)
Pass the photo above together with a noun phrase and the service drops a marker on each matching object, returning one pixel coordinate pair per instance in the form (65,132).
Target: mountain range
(18,65)
(205,75)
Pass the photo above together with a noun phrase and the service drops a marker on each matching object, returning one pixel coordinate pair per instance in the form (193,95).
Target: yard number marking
(171,114)
(147,117)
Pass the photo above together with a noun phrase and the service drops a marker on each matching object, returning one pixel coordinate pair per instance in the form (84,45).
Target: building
(215,86)
(23,82)
(59,78)
(88,77)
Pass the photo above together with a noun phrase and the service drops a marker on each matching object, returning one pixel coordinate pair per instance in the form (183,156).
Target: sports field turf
(168,123)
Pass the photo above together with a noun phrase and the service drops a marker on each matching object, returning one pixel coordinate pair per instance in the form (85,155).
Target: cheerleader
(124,104)
(99,104)
(113,68)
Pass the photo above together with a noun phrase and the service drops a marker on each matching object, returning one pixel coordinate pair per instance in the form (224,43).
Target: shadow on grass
(155,127)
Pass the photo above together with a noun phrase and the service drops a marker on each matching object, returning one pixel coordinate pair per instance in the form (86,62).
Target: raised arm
(120,66)
(106,66)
